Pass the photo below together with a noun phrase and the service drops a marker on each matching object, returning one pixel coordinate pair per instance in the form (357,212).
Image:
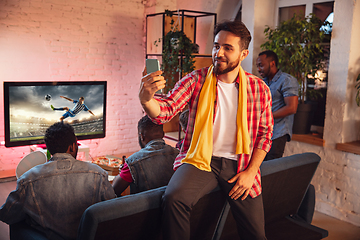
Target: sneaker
(52,107)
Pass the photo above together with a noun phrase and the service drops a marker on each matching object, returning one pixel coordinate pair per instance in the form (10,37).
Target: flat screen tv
(31,107)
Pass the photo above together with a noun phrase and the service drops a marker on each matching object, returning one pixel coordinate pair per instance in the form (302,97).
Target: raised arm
(151,83)
(91,112)
(69,99)
(290,90)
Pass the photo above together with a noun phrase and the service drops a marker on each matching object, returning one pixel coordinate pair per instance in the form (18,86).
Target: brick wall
(104,40)
(337,179)
(77,40)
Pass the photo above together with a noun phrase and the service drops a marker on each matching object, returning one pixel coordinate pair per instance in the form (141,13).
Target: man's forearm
(120,185)
(256,160)
(151,108)
(283,112)
(291,104)
(69,99)
(245,180)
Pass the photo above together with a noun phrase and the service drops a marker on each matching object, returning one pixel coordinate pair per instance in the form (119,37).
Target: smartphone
(152,65)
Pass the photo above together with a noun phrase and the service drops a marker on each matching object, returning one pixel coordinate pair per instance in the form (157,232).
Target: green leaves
(298,44)
(177,46)
(177,58)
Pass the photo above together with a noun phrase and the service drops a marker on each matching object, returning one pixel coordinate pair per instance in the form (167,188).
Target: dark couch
(284,180)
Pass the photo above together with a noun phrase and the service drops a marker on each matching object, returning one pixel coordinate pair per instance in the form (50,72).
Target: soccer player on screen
(78,107)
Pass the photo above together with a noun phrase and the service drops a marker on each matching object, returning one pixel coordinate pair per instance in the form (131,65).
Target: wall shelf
(314,139)
(196,25)
(351,147)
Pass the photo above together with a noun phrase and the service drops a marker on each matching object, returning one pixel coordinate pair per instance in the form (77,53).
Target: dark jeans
(189,184)
(277,148)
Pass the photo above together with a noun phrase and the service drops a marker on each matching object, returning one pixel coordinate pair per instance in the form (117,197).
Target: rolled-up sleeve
(176,100)
(290,87)
(266,123)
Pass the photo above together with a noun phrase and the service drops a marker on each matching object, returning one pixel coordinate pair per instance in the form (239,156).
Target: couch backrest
(134,216)
(284,183)
(138,216)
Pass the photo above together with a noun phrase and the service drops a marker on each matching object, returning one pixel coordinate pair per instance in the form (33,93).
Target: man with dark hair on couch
(152,166)
(52,197)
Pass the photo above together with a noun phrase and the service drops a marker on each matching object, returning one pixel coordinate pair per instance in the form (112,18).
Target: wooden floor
(338,230)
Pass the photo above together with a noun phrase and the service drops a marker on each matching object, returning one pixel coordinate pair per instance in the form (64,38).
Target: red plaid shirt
(260,119)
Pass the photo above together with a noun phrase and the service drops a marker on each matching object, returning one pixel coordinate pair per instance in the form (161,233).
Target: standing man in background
(284,91)
(228,135)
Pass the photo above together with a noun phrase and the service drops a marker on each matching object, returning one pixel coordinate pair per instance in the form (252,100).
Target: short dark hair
(183,119)
(146,125)
(58,137)
(236,27)
(272,55)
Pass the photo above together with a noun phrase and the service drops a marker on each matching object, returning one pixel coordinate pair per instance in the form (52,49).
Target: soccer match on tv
(32,109)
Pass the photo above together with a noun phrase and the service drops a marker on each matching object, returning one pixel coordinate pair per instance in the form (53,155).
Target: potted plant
(299,44)
(177,58)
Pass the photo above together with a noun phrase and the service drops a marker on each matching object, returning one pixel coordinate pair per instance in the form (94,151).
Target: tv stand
(82,148)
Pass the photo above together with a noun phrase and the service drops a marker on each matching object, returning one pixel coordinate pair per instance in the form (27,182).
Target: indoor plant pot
(304,117)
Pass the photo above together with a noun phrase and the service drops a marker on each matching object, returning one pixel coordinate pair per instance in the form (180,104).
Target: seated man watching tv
(52,197)
(152,166)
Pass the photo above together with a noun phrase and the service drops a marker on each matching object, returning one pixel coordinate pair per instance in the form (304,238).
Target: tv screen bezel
(8,84)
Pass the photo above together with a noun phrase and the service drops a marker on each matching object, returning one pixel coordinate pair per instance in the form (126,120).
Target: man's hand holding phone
(150,84)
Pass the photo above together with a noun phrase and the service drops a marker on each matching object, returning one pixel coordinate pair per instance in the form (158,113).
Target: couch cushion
(130,217)
(284,182)
(138,216)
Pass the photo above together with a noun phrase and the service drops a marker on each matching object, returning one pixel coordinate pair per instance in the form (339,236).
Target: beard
(142,145)
(265,73)
(218,70)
